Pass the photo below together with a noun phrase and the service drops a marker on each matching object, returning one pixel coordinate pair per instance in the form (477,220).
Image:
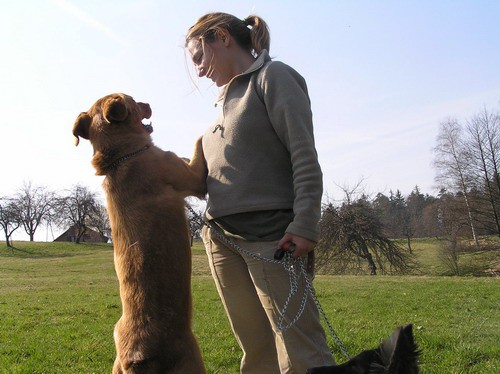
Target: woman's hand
(302,245)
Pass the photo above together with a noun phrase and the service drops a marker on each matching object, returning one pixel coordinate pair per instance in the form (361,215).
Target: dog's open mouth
(148,127)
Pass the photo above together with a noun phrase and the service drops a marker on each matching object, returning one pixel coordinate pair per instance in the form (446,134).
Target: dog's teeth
(148,127)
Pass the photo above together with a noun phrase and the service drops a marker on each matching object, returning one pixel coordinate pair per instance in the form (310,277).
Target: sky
(381,75)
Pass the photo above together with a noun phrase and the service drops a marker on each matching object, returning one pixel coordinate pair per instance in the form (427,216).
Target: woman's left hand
(302,245)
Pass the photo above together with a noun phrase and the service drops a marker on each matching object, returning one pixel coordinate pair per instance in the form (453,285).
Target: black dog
(396,355)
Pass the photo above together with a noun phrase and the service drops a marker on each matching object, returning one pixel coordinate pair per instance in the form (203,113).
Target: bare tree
(452,219)
(452,224)
(33,205)
(483,150)
(352,235)
(9,219)
(354,192)
(99,220)
(76,208)
(195,219)
(453,165)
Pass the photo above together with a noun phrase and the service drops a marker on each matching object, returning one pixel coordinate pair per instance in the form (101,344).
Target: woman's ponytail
(259,33)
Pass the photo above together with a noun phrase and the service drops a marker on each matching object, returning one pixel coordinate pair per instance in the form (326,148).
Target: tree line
(356,232)
(467,162)
(34,206)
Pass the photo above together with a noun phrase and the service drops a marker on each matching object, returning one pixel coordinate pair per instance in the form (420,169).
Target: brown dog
(145,189)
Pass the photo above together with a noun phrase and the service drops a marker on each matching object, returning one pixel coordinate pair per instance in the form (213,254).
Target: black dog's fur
(396,355)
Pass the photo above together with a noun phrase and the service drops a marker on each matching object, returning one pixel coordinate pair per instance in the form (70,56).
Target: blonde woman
(264,190)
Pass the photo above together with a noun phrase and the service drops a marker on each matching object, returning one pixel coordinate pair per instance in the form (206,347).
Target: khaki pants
(253,293)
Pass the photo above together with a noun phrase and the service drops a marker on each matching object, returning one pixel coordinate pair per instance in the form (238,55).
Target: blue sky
(382,75)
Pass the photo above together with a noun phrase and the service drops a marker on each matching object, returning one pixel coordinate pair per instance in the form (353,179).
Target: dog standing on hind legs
(145,190)
(396,355)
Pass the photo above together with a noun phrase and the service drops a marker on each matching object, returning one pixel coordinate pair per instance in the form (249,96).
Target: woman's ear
(225,38)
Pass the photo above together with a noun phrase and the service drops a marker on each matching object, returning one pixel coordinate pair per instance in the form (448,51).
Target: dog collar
(117,162)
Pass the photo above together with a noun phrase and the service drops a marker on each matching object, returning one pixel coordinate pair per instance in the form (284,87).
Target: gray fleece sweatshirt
(260,151)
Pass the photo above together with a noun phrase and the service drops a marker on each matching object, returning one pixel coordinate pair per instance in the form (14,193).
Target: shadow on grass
(16,252)
(40,250)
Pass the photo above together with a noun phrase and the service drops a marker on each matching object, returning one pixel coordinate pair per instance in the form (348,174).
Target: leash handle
(280,252)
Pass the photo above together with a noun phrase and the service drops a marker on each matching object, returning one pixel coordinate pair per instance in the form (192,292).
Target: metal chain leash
(294,273)
(288,264)
(334,335)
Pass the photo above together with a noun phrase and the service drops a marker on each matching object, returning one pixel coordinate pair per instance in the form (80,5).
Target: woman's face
(210,60)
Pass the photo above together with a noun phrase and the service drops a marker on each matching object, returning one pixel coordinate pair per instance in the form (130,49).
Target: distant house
(90,236)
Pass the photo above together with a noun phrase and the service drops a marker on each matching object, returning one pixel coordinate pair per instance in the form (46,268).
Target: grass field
(59,302)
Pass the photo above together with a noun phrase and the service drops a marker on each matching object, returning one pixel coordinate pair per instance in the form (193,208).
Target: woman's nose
(201,71)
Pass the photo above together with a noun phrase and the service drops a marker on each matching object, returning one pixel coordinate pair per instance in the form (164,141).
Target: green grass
(59,303)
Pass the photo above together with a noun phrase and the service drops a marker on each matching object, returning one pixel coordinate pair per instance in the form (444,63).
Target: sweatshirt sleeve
(285,95)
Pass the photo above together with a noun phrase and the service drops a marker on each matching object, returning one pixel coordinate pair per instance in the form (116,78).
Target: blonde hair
(251,33)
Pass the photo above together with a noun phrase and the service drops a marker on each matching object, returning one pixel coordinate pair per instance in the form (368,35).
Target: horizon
(381,77)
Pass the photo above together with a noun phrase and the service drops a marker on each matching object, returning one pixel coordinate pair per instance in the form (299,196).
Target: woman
(264,190)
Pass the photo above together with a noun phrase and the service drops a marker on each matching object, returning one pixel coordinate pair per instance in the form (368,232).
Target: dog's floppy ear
(145,110)
(82,127)
(114,109)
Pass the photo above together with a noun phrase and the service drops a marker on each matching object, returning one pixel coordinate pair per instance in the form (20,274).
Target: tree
(430,218)
(99,220)
(9,220)
(453,165)
(78,207)
(382,206)
(352,235)
(415,204)
(483,149)
(195,220)
(400,217)
(33,206)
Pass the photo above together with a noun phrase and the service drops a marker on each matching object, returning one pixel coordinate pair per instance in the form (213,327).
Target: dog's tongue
(148,127)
